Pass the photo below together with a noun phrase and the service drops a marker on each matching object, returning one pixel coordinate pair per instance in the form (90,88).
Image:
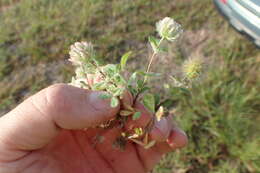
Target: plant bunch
(90,74)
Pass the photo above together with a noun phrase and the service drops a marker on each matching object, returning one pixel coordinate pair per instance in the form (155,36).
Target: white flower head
(169,29)
(80,51)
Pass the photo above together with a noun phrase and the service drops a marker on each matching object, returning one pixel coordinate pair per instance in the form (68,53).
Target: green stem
(148,69)
(103,75)
(151,60)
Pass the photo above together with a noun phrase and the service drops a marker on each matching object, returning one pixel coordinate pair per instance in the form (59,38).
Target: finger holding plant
(141,112)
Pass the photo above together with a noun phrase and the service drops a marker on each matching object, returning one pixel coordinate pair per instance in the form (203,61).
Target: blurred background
(221,118)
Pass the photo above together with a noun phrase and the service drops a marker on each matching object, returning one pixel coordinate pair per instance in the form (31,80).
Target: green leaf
(132,78)
(167,103)
(114,102)
(144,89)
(110,70)
(99,85)
(124,59)
(118,79)
(149,102)
(132,90)
(140,84)
(136,115)
(118,91)
(157,98)
(154,43)
(105,96)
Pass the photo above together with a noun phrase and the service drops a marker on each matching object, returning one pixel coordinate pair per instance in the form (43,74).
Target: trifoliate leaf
(136,115)
(149,102)
(124,59)
(114,102)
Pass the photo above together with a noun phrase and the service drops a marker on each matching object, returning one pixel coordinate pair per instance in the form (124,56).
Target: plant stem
(103,75)
(148,69)
(152,57)
(151,60)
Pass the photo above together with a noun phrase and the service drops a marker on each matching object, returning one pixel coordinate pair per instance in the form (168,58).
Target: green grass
(221,118)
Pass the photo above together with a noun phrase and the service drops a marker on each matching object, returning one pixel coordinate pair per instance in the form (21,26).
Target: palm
(81,151)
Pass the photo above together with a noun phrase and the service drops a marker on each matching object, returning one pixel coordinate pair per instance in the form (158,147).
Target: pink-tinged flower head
(80,51)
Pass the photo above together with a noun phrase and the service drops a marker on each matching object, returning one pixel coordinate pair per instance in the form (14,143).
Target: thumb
(36,121)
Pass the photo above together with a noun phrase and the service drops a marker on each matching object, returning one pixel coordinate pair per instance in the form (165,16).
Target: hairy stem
(103,74)
(152,57)
(147,70)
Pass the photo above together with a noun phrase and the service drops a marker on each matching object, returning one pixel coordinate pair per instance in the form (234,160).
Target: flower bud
(169,29)
(192,68)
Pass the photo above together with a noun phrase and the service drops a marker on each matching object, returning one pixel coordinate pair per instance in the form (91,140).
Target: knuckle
(57,98)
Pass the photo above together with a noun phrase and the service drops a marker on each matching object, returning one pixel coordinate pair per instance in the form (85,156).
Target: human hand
(47,133)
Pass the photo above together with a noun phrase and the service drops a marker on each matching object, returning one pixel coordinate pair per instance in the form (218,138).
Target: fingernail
(182,132)
(177,138)
(97,102)
(162,125)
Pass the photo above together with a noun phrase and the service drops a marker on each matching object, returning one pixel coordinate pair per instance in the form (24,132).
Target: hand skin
(53,132)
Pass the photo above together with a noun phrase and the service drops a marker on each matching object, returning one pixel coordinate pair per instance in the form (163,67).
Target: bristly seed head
(192,68)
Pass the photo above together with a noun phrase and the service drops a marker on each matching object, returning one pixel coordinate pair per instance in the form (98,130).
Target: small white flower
(80,51)
(169,29)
